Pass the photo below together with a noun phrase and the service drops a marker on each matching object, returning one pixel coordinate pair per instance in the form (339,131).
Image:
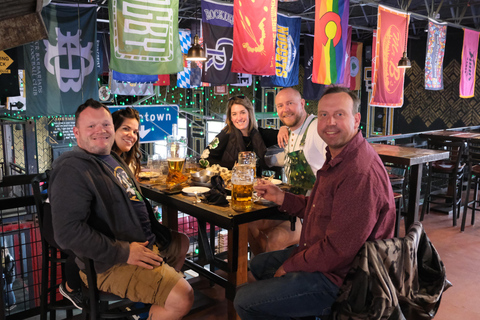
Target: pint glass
(242,190)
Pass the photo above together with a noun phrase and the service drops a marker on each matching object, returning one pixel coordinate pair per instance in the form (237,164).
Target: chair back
(474,152)
(457,149)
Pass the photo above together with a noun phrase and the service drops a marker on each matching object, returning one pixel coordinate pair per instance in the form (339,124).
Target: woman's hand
(282,137)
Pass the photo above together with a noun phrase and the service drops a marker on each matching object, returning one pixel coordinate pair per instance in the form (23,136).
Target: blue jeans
(296,294)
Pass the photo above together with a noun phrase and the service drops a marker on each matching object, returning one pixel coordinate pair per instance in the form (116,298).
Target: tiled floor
(460,253)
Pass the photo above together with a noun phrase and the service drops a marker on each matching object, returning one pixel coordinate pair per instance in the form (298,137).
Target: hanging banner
(163,80)
(356,66)
(311,91)
(287,52)
(61,71)
(437,34)
(388,77)
(183,77)
(126,77)
(469,63)
(346,78)
(217,22)
(254,34)
(331,27)
(144,37)
(130,88)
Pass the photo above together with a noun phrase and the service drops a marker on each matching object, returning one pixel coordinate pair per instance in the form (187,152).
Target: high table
(414,158)
(223,217)
(452,135)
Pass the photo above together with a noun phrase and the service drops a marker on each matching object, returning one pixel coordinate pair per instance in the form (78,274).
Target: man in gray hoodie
(99,213)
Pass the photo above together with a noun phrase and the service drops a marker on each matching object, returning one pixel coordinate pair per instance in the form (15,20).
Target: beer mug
(242,190)
(248,158)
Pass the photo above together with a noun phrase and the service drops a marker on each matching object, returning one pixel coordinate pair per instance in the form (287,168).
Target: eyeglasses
(236,97)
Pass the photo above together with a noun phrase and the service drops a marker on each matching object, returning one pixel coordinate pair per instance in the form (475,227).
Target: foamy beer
(175,164)
(242,190)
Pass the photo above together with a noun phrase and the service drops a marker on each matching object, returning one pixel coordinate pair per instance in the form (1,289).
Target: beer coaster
(190,191)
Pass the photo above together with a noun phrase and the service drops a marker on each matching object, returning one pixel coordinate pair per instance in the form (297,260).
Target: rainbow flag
(331,27)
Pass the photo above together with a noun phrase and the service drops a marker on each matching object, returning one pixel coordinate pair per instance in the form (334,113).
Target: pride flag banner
(144,37)
(356,66)
(437,34)
(388,77)
(331,28)
(254,34)
(287,57)
(346,78)
(469,63)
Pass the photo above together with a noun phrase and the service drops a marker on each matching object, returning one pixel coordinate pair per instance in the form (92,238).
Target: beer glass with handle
(242,190)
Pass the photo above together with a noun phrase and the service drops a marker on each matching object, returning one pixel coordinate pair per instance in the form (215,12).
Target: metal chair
(473,176)
(52,255)
(450,171)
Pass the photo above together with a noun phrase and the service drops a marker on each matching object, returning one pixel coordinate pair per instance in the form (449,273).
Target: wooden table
(414,158)
(223,217)
(452,135)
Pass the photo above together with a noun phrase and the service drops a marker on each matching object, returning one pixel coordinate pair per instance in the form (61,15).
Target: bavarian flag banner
(392,32)
(217,22)
(144,37)
(331,27)
(469,63)
(254,34)
(287,52)
(437,34)
(60,73)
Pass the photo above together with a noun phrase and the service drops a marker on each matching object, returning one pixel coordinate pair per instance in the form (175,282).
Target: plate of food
(148,175)
(190,191)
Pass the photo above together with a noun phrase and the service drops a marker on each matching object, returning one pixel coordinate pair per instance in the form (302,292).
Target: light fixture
(196,52)
(404,61)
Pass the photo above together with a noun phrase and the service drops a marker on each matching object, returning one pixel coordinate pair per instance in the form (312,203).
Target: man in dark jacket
(99,213)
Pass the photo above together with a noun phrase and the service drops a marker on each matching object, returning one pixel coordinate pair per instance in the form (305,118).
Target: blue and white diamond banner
(60,72)
(183,77)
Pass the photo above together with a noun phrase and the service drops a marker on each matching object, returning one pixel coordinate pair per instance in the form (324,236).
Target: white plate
(190,191)
(276,181)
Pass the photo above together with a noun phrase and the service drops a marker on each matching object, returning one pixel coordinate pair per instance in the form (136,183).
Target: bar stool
(473,176)
(451,171)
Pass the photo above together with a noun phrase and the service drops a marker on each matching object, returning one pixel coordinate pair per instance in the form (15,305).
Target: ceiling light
(404,61)
(196,52)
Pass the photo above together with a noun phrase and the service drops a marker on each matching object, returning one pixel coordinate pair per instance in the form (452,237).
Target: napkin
(217,194)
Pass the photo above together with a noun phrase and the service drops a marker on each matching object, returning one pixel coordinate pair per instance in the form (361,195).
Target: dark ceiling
(363,14)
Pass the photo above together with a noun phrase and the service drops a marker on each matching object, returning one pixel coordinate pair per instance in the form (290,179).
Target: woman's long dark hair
(134,155)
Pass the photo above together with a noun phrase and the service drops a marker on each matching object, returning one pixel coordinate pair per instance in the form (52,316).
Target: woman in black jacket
(241,133)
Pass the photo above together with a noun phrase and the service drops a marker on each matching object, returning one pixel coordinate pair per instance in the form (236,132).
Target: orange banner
(254,35)
(391,42)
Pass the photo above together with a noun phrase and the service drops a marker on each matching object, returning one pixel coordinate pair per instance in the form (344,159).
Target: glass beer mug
(176,153)
(242,190)
(248,158)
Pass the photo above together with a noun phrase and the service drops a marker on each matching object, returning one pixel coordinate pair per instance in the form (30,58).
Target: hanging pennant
(144,37)
(356,66)
(392,33)
(346,78)
(254,34)
(469,63)
(331,27)
(217,22)
(183,77)
(58,80)
(287,52)
(437,34)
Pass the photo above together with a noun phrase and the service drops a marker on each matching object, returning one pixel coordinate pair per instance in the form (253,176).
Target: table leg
(415,184)
(170,217)
(237,263)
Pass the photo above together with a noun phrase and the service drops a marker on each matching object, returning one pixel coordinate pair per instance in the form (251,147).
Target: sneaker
(10,308)
(75,296)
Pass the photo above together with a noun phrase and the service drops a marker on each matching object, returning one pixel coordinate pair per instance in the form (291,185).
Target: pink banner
(469,63)
(392,33)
